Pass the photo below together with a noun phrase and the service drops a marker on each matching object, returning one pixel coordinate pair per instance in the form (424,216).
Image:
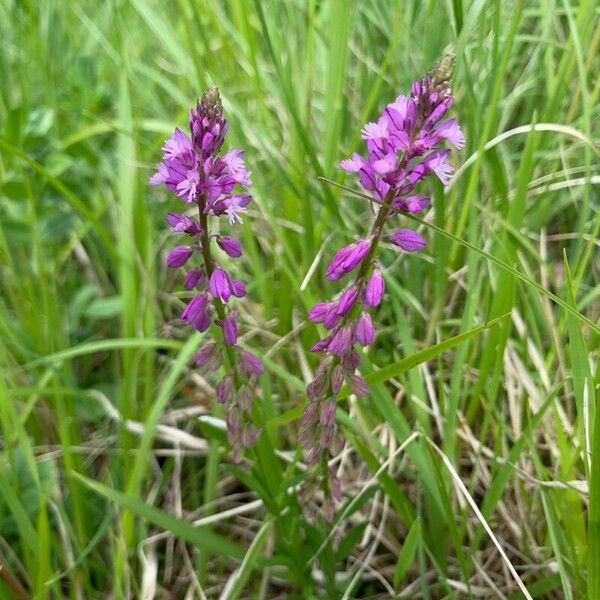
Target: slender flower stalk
(194,169)
(404,146)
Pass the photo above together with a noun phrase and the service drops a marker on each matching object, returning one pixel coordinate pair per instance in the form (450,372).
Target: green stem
(209,265)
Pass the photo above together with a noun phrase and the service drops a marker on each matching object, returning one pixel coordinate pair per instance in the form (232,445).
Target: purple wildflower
(374,289)
(182,223)
(194,278)
(213,184)
(219,285)
(408,240)
(364,332)
(230,246)
(404,146)
(347,259)
(179,256)
(230,328)
(251,363)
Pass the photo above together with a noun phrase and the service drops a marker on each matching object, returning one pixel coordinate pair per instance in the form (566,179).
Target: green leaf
(235,585)
(202,537)
(407,554)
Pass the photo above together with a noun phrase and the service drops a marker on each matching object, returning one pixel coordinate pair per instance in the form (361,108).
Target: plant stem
(209,265)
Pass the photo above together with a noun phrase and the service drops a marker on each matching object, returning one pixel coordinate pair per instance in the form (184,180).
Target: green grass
(471,470)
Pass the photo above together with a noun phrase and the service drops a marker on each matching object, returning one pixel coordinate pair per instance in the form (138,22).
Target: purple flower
(179,256)
(364,332)
(251,363)
(347,300)
(317,313)
(229,245)
(219,285)
(412,204)
(191,167)
(358,385)
(347,259)
(321,344)
(230,328)
(404,145)
(194,168)
(337,378)
(328,412)
(206,354)
(351,360)
(374,289)
(341,341)
(182,223)
(408,240)
(193,278)
(196,314)
(332,317)
(224,389)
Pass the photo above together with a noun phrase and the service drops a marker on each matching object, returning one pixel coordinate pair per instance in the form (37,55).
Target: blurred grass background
(96,382)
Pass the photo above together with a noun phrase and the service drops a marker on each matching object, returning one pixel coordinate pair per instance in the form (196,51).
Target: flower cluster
(193,169)
(404,146)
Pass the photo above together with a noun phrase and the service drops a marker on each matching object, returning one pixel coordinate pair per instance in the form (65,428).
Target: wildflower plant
(404,146)
(194,170)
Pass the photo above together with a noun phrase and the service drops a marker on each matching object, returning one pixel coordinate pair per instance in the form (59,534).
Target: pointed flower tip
(442,70)
(211,102)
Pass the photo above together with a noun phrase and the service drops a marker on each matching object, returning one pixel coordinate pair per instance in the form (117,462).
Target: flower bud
(196,314)
(251,363)
(408,240)
(230,328)
(347,258)
(328,413)
(337,378)
(244,398)
(363,329)
(318,312)
(230,246)
(181,223)
(347,300)
(224,388)
(193,278)
(358,385)
(340,342)
(179,256)
(374,289)
(351,360)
